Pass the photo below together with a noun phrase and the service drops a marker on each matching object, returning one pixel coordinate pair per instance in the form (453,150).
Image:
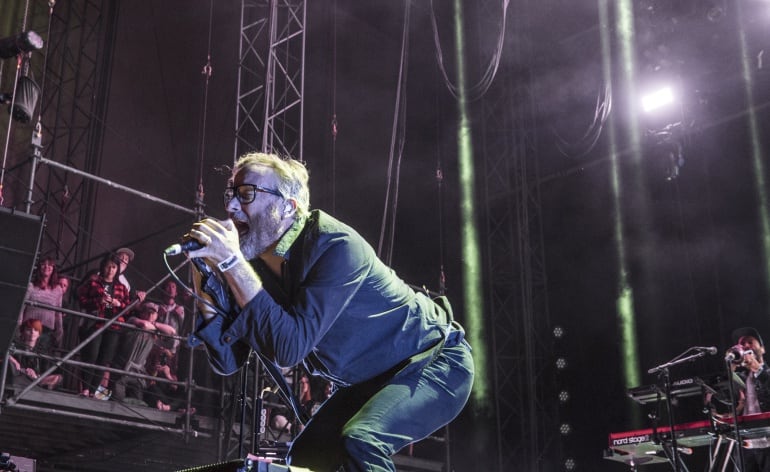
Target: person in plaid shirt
(102,296)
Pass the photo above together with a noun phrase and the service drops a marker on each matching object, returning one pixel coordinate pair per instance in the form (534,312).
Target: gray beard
(251,246)
(262,234)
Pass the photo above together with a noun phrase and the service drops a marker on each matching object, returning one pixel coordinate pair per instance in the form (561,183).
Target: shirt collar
(289,237)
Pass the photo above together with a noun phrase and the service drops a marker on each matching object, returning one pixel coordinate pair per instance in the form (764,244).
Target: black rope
(206,72)
(334,123)
(396,148)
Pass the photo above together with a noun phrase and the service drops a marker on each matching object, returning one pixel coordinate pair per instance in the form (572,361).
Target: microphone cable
(191,290)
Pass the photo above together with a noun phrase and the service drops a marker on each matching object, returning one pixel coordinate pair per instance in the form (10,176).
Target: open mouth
(242,227)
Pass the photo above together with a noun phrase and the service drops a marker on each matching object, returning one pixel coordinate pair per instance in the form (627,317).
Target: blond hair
(292,176)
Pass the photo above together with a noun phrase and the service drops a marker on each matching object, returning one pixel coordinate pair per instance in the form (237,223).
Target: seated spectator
(135,349)
(45,288)
(24,369)
(165,396)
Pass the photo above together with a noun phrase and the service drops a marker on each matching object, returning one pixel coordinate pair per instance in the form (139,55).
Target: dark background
(694,244)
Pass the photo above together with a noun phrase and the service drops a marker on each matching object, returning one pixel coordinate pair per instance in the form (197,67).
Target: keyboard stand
(714,460)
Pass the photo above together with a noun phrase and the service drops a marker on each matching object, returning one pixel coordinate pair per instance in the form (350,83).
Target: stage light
(570,464)
(563,396)
(561,363)
(27,93)
(23,42)
(558,332)
(657,99)
(565,429)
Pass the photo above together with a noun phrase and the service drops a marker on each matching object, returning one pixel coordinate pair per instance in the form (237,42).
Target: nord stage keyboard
(642,447)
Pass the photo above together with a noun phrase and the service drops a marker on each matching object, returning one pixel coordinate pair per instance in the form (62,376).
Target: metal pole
(112,184)
(37,144)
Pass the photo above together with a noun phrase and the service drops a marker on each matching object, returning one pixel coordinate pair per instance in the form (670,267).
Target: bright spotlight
(26,41)
(657,99)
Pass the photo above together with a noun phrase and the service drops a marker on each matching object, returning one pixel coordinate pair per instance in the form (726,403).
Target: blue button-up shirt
(336,306)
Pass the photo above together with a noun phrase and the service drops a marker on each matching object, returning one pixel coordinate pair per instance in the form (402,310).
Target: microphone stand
(734,410)
(663,371)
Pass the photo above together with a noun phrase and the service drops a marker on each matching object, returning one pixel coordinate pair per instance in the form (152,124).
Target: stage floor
(62,431)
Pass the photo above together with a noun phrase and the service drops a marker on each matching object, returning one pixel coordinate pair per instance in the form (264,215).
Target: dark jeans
(756,460)
(360,427)
(101,351)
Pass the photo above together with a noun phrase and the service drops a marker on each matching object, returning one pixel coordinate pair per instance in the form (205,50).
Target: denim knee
(365,453)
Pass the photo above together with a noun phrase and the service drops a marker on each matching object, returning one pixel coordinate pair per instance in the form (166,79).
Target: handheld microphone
(184,246)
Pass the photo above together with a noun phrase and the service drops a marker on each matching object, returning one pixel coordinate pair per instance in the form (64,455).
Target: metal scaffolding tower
(269,118)
(73,107)
(271,77)
(524,376)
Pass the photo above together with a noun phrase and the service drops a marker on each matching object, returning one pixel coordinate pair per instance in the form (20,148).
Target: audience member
(163,395)
(172,314)
(135,348)
(125,256)
(23,368)
(64,283)
(45,288)
(70,323)
(102,296)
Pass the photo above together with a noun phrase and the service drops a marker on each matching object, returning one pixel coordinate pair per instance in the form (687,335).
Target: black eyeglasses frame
(232,192)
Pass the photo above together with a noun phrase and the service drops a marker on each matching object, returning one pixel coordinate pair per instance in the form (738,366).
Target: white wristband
(228,263)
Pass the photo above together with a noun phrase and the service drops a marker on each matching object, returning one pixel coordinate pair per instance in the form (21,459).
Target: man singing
(312,290)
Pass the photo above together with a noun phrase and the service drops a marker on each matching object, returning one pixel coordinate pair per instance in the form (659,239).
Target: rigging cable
(206,72)
(19,61)
(439,176)
(480,88)
(396,145)
(439,186)
(334,123)
(10,125)
(587,142)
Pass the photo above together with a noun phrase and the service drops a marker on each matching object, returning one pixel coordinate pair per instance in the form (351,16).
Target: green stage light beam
(471,253)
(757,153)
(624,305)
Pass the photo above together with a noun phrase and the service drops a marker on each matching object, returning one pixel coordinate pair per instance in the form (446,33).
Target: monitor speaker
(19,243)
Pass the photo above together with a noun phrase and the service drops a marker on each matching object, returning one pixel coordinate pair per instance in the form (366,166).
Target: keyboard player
(754,395)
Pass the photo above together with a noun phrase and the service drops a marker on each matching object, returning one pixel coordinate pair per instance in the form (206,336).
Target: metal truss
(270,109)
(73,106)
(248,426)
(268,118)
(524,376)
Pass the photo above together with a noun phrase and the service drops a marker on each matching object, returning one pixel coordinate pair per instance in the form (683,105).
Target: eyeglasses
(246,193)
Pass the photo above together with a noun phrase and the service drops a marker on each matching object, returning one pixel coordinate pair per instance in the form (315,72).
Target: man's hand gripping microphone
(212,286)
